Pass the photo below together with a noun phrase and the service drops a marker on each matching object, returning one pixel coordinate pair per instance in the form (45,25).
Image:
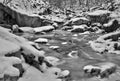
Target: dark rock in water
(111,26)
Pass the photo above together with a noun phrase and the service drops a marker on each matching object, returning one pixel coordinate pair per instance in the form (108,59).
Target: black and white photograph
(59,40)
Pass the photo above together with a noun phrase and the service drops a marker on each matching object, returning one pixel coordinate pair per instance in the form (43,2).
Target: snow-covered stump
(100,16)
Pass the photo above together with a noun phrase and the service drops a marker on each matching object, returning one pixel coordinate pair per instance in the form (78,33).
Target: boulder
(79,28)
(77,21)
(21,18)
(41,40)
(44,29)
(111,26)
(100,16)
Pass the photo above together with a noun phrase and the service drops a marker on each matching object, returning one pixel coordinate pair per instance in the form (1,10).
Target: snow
(6,66)
(73,54)
(75,35)
(65,73)
(7,47)
(90,67)
(26,29)
(43,28)
(52,60)
(80,26)
(106,66)
(54,47)
(98,12)
(32,74)
(41,40)
(97,46)
(21,42)
(76,19)
(109,23)
(64,43)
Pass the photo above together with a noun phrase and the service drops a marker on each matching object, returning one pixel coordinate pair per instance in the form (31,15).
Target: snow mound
(7,47)
(7,68)
(32,74)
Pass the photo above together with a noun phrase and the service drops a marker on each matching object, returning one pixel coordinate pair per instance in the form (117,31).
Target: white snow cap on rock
(98,12)
(52,60)
(90,67)
(41,40)
(54,47)
(43,28)
(65,73)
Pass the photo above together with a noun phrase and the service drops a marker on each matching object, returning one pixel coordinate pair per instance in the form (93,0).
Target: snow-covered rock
(8,47)
(27,29)
(43,29)
(77,21)
(54,47)
(64,43)
(80,28)
(101,70)
(32,74)
(41,40)
(100,16)
(111,26)
(52,60)
(65,73)
(19,42)
(73,54)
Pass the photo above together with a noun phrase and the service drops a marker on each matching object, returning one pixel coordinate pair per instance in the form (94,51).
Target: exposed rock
(100,16)
(111,26)
(22,19)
